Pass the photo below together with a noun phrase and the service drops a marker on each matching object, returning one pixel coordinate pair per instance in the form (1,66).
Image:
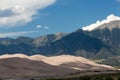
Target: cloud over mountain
(20,11)
(109,18)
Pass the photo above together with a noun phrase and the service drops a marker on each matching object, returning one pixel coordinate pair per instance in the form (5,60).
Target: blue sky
(53,16)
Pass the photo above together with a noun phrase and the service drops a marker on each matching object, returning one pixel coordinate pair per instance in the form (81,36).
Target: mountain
(76,43)
(98,40)
(13,66)
(109,34)
(111,25)
(101,41)
(26,44)
(47,39)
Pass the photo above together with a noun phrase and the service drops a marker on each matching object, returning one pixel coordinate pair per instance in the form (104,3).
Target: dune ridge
(70,61)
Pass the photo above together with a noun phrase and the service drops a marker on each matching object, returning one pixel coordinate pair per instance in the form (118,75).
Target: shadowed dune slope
(21,67)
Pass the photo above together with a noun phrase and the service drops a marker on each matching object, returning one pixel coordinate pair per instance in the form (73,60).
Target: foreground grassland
(112,61)
(80,76)
(111,76)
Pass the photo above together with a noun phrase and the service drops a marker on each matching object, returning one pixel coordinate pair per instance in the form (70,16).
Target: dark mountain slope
(16,48)
(73,44)
(27,45)
(110,37)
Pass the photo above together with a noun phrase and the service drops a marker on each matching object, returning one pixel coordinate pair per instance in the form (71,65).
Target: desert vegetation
(113,76)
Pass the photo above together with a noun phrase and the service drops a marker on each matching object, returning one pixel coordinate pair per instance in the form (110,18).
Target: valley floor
(110,75)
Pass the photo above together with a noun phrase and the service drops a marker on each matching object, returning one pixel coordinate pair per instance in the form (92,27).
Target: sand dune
(20,65)
(62,60)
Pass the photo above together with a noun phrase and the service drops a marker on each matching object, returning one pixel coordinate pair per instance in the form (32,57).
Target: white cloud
(39,26)
(42,26)
(98,23)
(10,12)
(11,34)
(20,11)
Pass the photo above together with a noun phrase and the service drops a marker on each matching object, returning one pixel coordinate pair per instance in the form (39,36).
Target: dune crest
(13,56)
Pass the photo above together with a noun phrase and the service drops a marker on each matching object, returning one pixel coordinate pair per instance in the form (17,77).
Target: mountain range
(101,42)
